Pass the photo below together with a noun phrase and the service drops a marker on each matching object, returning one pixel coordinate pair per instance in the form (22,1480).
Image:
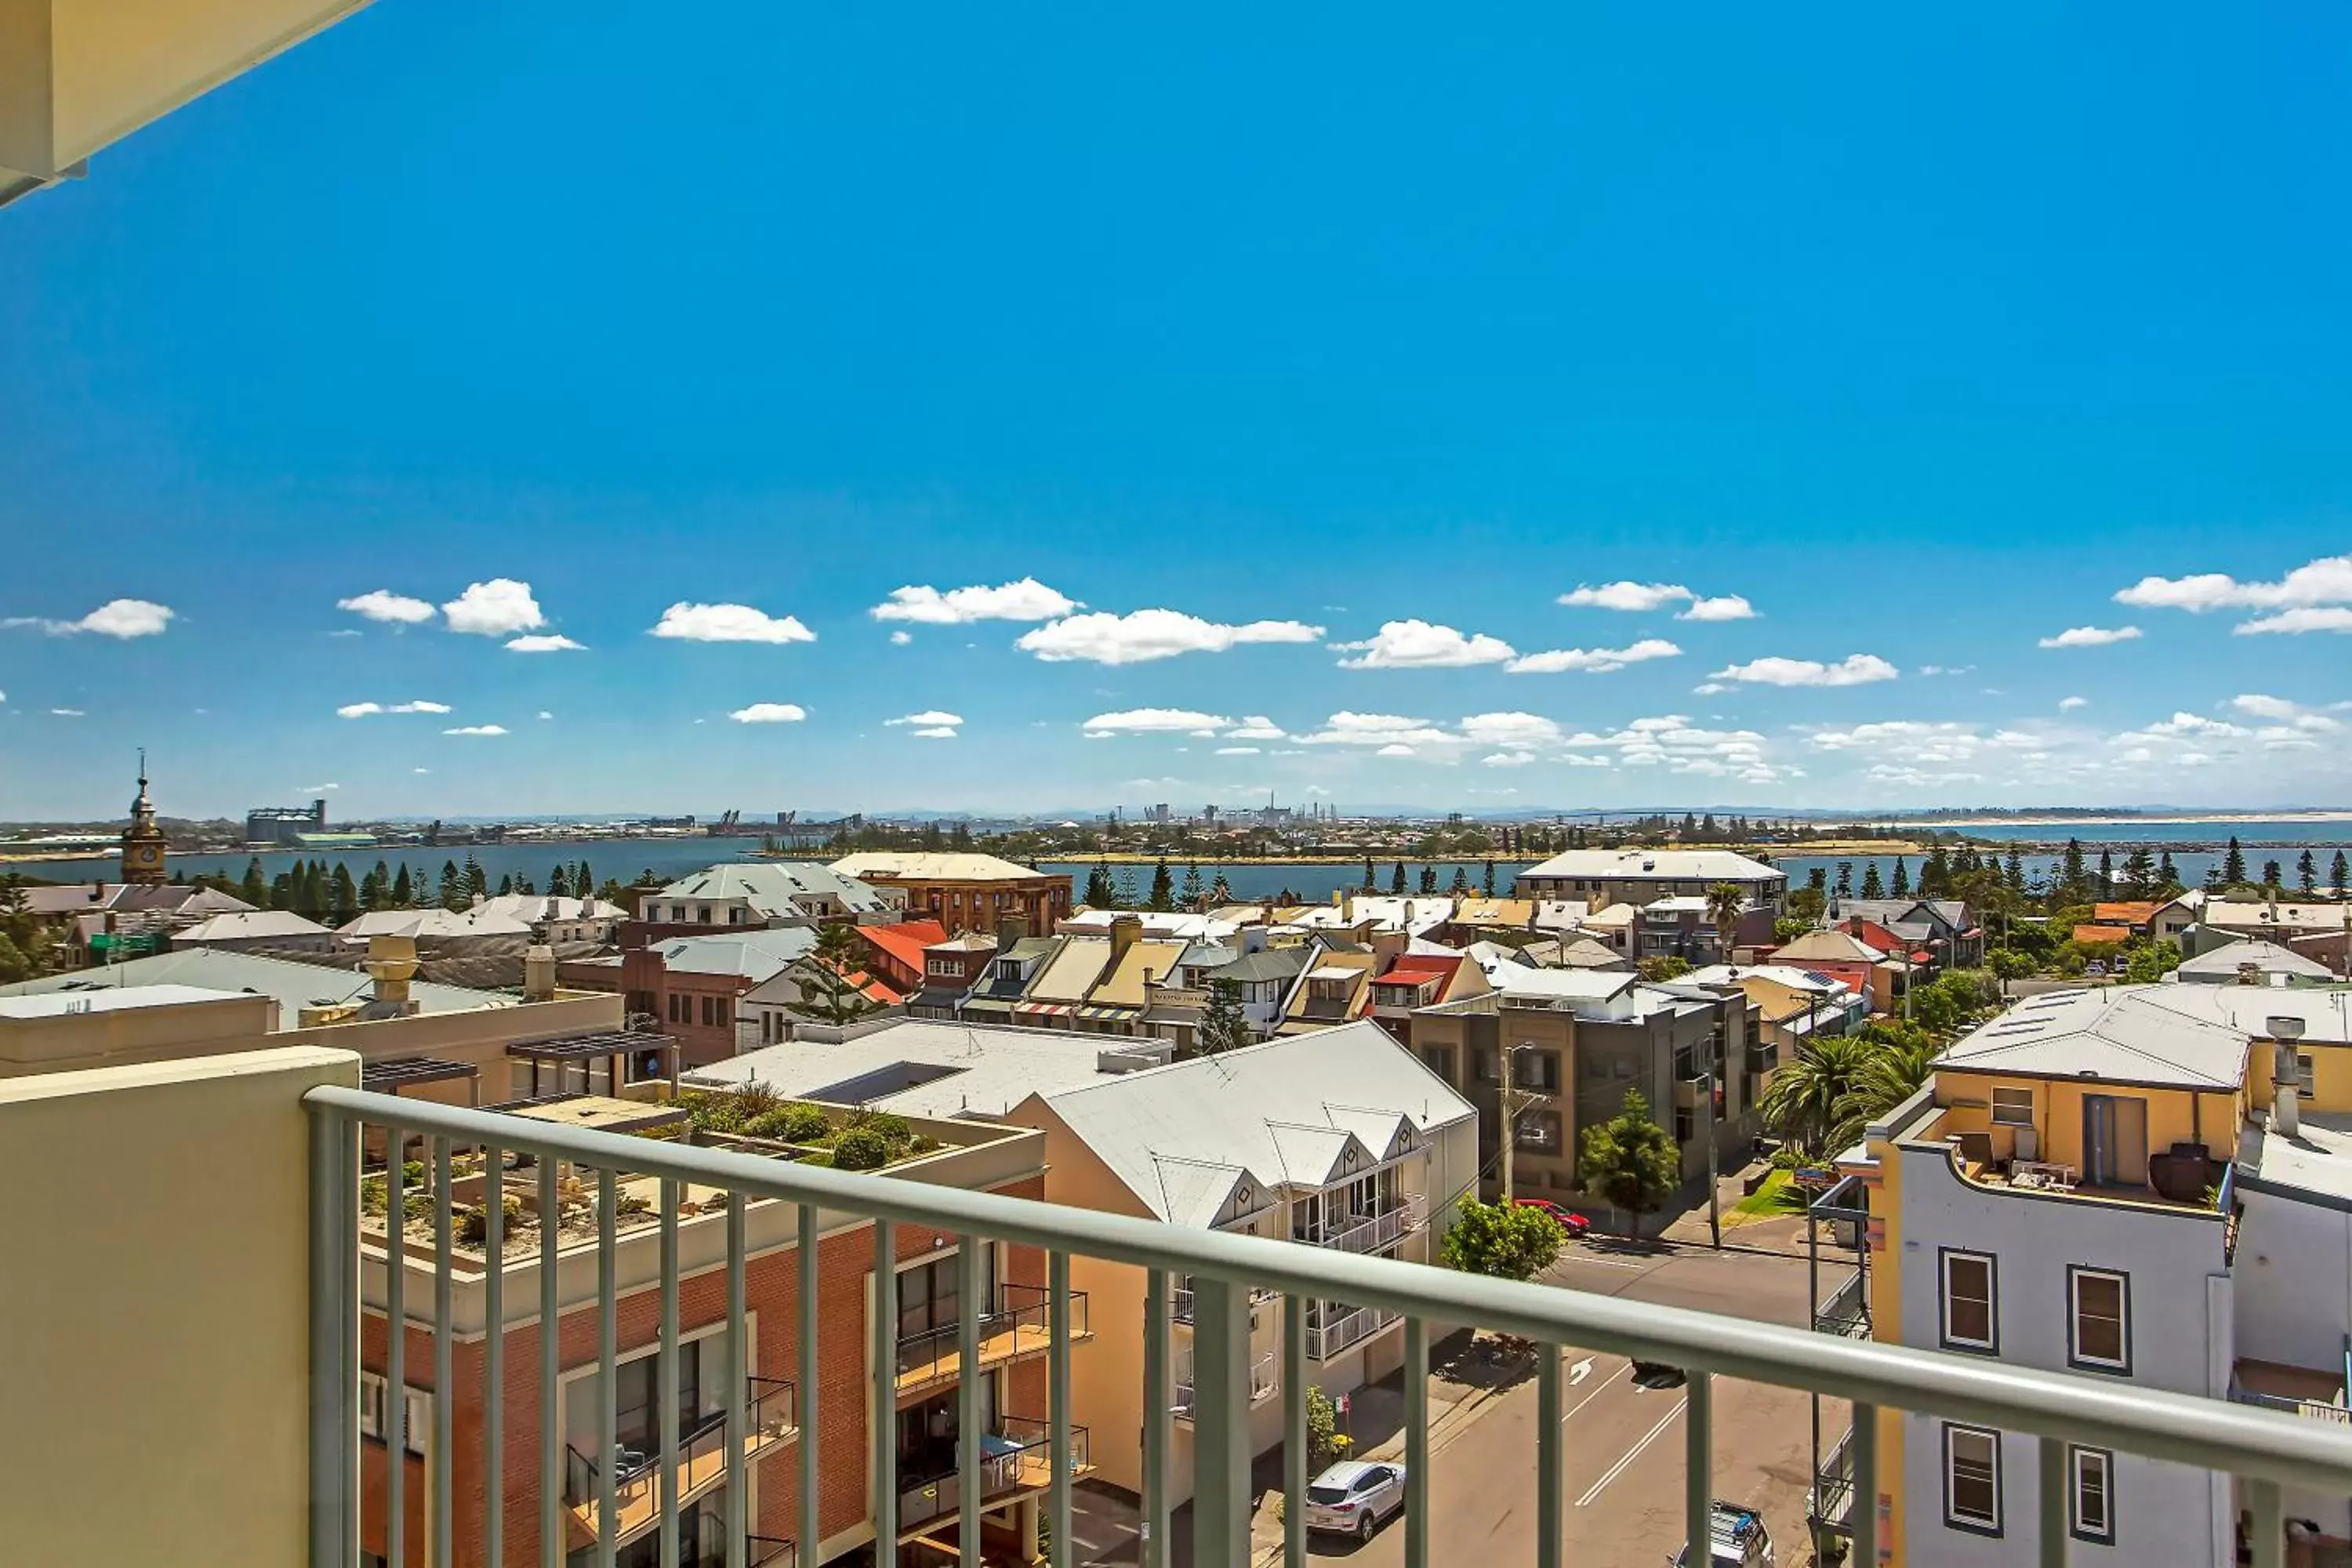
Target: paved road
(1623,1443)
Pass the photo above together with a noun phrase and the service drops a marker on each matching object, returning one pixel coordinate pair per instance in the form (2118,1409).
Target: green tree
(254,889)
(1100,892)
(2233,863)
(828,995)
(1629,1162)
(1429,879)
(1724,903)
(342,898)
(1193,892)
(1804,1102)
(478,882)
(1501,1241)
(1221,892)
(1325,1442)
(452,893)
(1899,885)
(2167,876)
(1127,899)
(1224,1026)
(1396,879)
(404,892)
(2307,874)
(1808,904)
(2339,875)
(1872,888)
(1845,880)
(1163,886)
(2139,872)
(1486,879)
(1460,887)
(1661,967)
(1371,884)
(559,881)
(2273,879)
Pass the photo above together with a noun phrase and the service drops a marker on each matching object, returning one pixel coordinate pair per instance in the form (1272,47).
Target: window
(1970,1322)
(1539,1131)
(709,1013)
(2099,1305)
(2013,1107)
(1440,1060)
(702,913)
(2304,1073)
(1686,1125)
(1482,1065)
(1536,1069)
(1972,1479)
(417,1420)
(2091,1516)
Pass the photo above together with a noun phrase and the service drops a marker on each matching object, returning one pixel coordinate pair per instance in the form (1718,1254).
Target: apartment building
(964,891)
(2145,1185)
(960,1152)
(1417,980)
(1574,1042)
(1643,876)
(1792,1004)
(777,893)
(700,989)
(1338,1139)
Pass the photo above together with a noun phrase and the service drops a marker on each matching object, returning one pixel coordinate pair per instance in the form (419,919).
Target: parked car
(1353,1496)
(1658,1374)
(1573,1222)
(1736,1539)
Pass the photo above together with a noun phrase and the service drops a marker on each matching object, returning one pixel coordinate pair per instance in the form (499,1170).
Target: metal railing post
(335,1386)
(1221,1412)
(444,1403)
(494,1358)
(2051,1455)
(666,1374)
(739,1377)
(1861,1512)
(608,1393)
(805,1397)
(551,1351)
(1698,1464)
(1158,1423)
(1548,1471)
(968,1490)
(882,1413)
(1293,1432)
(394,1427)
(1057,1394)
(1416,1443)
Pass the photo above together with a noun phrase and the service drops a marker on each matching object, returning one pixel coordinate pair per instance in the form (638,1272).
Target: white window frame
(2080,1462)
(418,1419)
(1999,1118)
(1953,1518)
(1945,1335)
(2076,1354)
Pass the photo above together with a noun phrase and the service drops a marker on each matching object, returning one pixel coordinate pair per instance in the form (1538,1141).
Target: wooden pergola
(614,1048)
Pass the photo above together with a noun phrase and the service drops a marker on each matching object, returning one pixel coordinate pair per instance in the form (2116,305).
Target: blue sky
(1919,338)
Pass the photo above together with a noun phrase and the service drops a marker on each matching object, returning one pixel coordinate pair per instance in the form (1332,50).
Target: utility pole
(1512,1106)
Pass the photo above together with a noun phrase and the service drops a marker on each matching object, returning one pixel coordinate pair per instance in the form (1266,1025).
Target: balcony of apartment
(260,1151)
(2185,1178)
(1015,1325)
(1845,1310)
(1180,1302)
(1016,1460)
(2293,1389)
(1264,1384)
(1373,1232)
(769,1421)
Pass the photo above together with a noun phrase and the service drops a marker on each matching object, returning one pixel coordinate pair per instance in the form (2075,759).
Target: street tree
(1501,1241)
(1224,1026)
(1630,1160)
(828,995)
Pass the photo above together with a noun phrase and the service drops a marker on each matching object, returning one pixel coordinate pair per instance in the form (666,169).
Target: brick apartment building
(983,1157)
(691,985)
(965,891)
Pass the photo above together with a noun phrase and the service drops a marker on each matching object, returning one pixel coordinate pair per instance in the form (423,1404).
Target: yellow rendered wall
(155,1310)
(2174,1115)
(1886,1328)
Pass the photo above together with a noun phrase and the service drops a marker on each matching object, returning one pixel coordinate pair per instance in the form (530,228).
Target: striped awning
(1100,1011)
(1046,1009)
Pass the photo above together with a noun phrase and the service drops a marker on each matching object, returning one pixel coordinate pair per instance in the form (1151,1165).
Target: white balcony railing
(2267,1450)
(1369,1233)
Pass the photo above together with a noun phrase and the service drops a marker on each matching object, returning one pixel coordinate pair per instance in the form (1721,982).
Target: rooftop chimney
(1125,931)
(539,973)
(2286,1077)
(1010,929)
(391,963)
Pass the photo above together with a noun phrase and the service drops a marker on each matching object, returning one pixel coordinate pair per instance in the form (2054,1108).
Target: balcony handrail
(2203,1434)
(932,1348)
(762,1397)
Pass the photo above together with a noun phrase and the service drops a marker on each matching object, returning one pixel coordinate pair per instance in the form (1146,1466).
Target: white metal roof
(987,1068)
(933,865)
(1280,1113)
(2129,1034)
(772,886)
(2269,957)
(249,925)
(113,999)
(1655,865)
(295,985)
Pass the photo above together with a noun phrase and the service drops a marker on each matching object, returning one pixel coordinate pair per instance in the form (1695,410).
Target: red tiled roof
(1872,934)
(2095,933)
(2129,912)
(906,941)
(1420,969)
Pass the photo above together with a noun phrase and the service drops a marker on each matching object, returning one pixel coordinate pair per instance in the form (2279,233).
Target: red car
(1574,1224)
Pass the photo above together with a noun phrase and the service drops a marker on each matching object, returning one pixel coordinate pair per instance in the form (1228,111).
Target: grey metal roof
(294,984)
(2223,962)
(770,886)
(2126,1034)
(755,955)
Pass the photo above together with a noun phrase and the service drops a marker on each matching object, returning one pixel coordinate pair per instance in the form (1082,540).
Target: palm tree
(1806,1102)
(1724,902)
(1892,1075)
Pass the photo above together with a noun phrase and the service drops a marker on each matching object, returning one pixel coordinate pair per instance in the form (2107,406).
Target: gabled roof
(1825,947)
(1122,985)
(295,985)
(2120,1034)
(754,955)
(1070,973)
(933,865)
(772,886)
(1659,865)
(250,925)
(906,939)
(2128,912)
(1283,1113)
(2268,957)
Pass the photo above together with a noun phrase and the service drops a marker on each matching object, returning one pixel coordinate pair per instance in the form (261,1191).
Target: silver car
(1353,1496)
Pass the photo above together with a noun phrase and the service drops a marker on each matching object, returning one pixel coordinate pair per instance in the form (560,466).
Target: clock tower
(143,841)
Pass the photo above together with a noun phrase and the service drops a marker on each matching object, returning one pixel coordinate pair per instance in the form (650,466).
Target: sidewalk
(1781,1233)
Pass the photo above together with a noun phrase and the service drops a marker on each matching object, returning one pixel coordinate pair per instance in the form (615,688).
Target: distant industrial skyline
(1603,413)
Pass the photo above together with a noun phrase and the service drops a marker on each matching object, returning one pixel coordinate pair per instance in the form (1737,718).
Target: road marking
(1632,1454)
(1583,1262)
(1589,1398)
(1579,1371)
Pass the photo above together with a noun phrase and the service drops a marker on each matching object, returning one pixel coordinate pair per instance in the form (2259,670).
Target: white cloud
(936,732)
(545,642)
(364,710)
(1026,600)
(1142,636)
(2334,619)
(68,714)
(2091,637)
(420,770)
(1396,749)
(1257,727)
(1419,645)
(499,607)
(2184,724)
(477,729)
(901,639)
(1156,721)
(1576,760)
(770,713)
(545,714)
(932,717)
(2262,707)
(1854,670)
(383,605)
(1591,661)
(2327,580)
(1724,607)
(1345,728)
(115,619)
(2068,704)
(1514,731)
(1631,596)
(2294,717)
(317,788)
(730,623)
(1508,759)
(1237,751)
(1946,668)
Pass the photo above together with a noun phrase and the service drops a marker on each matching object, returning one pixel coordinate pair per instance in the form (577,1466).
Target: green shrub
(474,1221)
(894,1130)
(798,1122)
(861,1149)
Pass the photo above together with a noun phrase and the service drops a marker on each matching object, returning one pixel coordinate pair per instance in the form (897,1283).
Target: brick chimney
(1125,931)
